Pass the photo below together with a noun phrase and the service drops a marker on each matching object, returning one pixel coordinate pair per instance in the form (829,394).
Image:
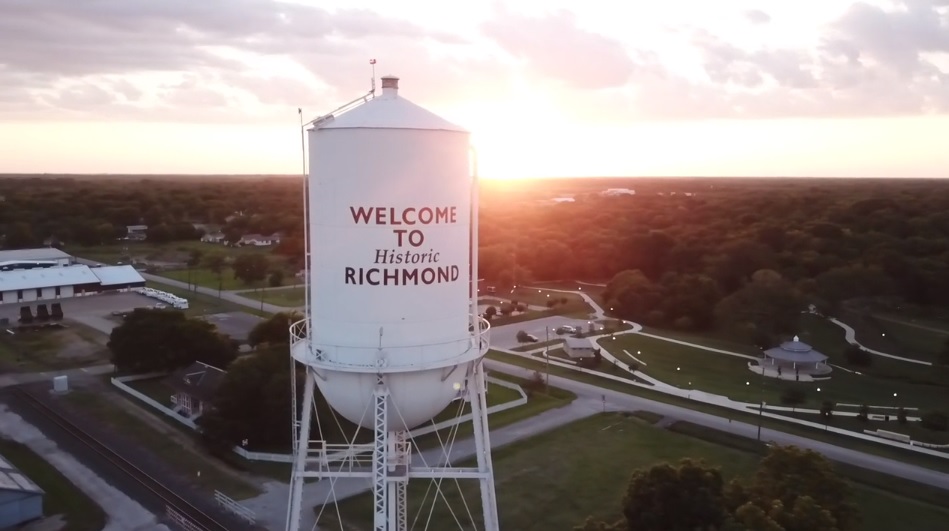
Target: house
(136,232)
(21,500)
(579,348)
(194,387)
(259,240)
(213,237)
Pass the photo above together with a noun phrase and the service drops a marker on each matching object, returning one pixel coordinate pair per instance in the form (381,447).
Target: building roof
(390,111)
(117,275)
(795,351)
(199,380)
(13,479)
(47,277)
(578,342)
(42,253)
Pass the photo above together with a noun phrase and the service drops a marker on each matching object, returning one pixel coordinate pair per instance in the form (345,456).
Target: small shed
(798,356)
(194,387)
(21,500)
(118,278)
(579,347)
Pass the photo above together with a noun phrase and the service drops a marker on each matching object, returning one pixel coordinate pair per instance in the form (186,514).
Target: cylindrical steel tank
(389,231)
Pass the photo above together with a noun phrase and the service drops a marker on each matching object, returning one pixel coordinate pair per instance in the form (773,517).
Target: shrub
(935,420)
(522,336)
(901,415)
(864,414)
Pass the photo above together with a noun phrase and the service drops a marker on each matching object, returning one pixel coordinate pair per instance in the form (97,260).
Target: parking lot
(506,336)
(237,325)
(93,311)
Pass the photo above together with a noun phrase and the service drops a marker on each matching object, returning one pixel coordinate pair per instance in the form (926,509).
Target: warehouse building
(52,283)
(47,255)
(21,500)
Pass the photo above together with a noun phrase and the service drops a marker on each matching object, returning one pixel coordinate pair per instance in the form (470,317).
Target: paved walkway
(851,336)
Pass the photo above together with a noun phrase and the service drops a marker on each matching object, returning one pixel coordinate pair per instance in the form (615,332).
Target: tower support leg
(380,454)
(479,417)
(295,507)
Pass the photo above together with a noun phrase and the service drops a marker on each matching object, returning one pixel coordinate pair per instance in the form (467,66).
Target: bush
(522,336)
(864,414)
(793,396)
(935,420)
(901,415)
(859,357)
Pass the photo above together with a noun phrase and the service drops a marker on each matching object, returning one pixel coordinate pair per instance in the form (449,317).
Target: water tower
(392,334)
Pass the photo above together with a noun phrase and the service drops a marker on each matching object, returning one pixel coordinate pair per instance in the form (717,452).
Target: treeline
(688,249)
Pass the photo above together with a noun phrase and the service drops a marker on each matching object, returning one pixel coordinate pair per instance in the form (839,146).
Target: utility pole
(761,401)
(547,361)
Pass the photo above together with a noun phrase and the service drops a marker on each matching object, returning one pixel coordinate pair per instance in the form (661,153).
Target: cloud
(556,48)
(757,16)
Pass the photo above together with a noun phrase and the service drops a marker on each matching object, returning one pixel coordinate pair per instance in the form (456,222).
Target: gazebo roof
(795,351)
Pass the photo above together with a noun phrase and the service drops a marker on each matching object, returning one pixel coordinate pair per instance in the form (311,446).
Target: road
(616,400)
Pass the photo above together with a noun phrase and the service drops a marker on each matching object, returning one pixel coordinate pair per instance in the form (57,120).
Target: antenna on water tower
(372,63)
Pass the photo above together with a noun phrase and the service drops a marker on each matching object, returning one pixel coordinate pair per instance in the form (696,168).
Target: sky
(548,88)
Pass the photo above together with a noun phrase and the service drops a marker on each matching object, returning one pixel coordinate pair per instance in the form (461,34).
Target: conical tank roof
(390,111)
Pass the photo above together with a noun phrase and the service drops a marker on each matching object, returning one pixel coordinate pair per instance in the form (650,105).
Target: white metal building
(21,500)
(579,347)
(52,283)
(43,254)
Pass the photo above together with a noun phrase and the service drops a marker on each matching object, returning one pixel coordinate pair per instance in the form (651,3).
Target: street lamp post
(760,402)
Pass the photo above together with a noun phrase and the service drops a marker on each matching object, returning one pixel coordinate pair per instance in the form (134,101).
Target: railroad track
(201,520)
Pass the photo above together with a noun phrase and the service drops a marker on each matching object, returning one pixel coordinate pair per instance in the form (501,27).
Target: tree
(216,262)
(864,414)
(901,415)
(490,312)
(252,402)
(273,331)
(631,295)
(164,340)
(804,484)
(766,306)
(251,268)
(827,410)
(275,279)
(675,498)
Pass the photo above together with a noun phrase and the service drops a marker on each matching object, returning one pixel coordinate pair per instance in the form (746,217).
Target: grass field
(171,252)
(288,297)
(556,479)
(726,375)
(54,349)
(183,460)
(62,497)
(201,304)
(818,434)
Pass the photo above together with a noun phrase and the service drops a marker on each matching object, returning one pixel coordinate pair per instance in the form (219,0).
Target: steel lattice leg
(479,418)
(295,507)
(380,455)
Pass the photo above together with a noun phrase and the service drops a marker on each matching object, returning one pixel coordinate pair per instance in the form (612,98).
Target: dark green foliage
(273,331)
(163,340)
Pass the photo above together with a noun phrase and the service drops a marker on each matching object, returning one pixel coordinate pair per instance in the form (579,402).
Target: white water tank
(389,220)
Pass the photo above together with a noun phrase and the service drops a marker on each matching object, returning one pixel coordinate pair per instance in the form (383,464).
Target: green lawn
(925,341)
(892,338)
(62,497)
(154,388)
(52,349)
(539,297)
(185,461)
(913,429)
(596,292)
(170,252)
(818,434)
(288,297)
(200,304)
(556,479)
(728,375)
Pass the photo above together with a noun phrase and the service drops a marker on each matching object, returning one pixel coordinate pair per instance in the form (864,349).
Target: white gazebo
(796,356)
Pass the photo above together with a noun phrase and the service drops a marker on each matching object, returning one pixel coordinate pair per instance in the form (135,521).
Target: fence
(181,520)
(232,506)
(288,458)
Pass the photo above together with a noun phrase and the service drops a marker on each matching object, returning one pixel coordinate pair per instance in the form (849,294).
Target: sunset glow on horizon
(548,89)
